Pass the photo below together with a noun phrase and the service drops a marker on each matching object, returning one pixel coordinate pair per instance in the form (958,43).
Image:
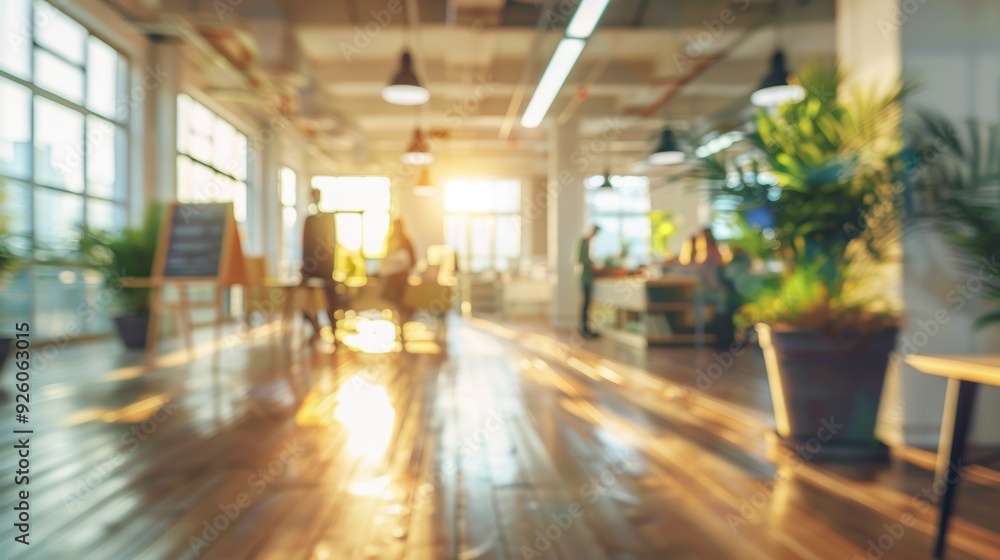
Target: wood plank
(488,448)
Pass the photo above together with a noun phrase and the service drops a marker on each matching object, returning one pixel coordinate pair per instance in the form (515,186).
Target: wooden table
(964,374)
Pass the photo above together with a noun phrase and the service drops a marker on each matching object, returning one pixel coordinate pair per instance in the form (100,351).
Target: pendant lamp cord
(779,28)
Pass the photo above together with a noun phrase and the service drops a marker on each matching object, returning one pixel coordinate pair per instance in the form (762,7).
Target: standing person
(395,269)
(586,269)
(319,243)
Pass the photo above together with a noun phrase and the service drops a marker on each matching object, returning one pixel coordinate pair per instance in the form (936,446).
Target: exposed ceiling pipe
(176,26)
(700,66)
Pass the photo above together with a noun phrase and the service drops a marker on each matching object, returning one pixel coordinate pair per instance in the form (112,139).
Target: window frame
(620,215)
(465,258)
(346,254)
(211,166)
(290,244)
(121,124)
(38,267)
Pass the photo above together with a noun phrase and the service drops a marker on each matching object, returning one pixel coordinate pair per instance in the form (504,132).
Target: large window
(291,240)
(622,213)
(63,156)
(361,206)
(483,223)
(212,158)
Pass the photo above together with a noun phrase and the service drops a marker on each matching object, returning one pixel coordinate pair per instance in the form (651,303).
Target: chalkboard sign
(197,238)
(200,241)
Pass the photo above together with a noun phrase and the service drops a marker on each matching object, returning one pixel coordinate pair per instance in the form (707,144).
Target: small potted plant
(826,174)
(126,254)
(663,226)
(9,263)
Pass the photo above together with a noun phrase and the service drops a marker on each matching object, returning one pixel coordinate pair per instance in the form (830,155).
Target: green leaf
(988,319)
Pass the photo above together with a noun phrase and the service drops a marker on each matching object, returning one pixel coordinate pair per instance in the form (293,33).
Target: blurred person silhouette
(587,271)
(707,249)
(719,289)
(319,244)
(400,258)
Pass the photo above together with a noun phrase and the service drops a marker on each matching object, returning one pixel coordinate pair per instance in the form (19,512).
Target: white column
(268,211)
(953,50)
(565,221)
(161,114)
(872,62)
(867,53)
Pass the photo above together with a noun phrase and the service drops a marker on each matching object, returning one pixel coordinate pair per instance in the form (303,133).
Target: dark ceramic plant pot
(132,330)
(5,345)
(826,391)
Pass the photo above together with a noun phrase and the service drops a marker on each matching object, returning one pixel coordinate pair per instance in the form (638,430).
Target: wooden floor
(503,444)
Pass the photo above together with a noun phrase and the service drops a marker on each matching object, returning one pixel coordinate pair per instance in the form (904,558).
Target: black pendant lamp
(405,88)
(776,89)
(667,152)
(606,184)
(418,153)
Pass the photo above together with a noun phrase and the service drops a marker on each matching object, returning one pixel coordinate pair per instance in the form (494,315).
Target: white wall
(686,201)
(953,50)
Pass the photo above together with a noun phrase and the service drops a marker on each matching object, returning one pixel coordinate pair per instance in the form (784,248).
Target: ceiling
(690,64)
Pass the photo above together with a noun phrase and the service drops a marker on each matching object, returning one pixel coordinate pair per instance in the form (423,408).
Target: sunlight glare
(376,336)
(366,412)
(375,487)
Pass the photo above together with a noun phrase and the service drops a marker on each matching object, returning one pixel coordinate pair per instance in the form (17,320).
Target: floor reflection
(373,487)
(472,453)
(134,413)
(364,409)
(370,335)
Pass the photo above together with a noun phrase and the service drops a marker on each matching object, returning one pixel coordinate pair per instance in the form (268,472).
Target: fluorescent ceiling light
(552,81)
(585,19)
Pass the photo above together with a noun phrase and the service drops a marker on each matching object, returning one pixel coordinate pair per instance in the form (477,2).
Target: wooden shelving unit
(668,310)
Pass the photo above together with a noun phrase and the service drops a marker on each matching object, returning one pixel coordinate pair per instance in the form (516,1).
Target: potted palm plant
(126,254)
(826,174)
(957,189)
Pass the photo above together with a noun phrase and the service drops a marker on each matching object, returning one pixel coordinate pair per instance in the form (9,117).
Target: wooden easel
(231,271)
